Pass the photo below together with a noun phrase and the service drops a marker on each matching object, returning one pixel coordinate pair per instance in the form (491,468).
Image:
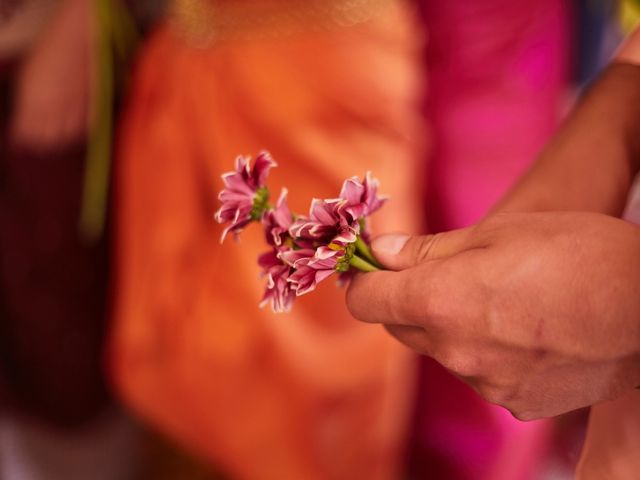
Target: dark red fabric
(8,9)
(52,287)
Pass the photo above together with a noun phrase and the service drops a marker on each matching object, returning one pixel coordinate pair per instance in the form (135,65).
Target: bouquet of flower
(304,250)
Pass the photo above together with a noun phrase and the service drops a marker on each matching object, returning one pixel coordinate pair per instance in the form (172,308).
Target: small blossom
(279,291)
(245,197)
(326,223)
(310,267)
(341,219)
(361,199)
(277,222)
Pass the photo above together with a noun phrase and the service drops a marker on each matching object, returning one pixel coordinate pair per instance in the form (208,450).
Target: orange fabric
(308,395)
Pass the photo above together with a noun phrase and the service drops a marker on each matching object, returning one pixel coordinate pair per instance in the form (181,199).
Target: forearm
(591,162)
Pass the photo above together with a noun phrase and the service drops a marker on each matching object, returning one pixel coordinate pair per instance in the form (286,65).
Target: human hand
(539,312)
(612,443)
(53,87)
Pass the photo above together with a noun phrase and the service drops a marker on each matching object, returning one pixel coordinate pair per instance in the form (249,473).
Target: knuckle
(425,246)
(522,415)
(459,362)
(525,410)
(412,337)
(513,398)
(409,301)
(498,396)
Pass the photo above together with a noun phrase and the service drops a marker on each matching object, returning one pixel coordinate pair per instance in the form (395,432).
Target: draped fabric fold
(312,394)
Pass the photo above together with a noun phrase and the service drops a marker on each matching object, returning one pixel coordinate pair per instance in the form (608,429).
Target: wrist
(629,51)
(601,135)
(626,77)
(627,58)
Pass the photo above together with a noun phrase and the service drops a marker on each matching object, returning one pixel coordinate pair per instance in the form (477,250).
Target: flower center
(260,203)
(348,252)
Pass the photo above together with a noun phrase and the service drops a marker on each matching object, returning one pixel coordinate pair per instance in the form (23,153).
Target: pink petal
(322,212)
(261,168)
(236,183)
(298,226)
(321,231)
(229,198)
(268,259)
(347,236)
(282,213)
(291,257)
(242,164)
(372,200)
(352,191)
(322,275)
(323,253)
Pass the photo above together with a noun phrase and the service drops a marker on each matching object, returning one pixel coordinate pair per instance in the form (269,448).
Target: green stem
(362,265)
(365,251)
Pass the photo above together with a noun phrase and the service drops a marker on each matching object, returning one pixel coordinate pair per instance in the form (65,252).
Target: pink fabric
(497,72)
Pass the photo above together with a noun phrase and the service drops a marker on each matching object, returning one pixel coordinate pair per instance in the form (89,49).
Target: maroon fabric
(8,9)
(52,288)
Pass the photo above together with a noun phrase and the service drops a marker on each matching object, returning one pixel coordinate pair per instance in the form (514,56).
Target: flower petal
(352,191)
(264,162)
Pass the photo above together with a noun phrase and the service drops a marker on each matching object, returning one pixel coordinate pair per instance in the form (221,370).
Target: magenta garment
(497,74)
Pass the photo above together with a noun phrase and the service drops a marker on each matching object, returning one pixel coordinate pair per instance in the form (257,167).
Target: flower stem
(365,252)
(362,265)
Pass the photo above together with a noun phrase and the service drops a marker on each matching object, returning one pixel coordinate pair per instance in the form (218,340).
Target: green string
(115,39)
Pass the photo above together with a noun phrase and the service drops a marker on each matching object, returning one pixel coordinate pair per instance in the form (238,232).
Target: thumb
(398,251)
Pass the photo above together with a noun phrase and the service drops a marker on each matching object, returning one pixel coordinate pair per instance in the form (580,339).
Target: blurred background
(131,343)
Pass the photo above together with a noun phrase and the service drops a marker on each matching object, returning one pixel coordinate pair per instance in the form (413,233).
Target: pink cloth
(497,72)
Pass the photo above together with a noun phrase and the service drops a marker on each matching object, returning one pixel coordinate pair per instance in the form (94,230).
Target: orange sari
(308,395)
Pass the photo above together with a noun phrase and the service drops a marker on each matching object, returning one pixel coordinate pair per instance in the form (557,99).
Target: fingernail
(389,244)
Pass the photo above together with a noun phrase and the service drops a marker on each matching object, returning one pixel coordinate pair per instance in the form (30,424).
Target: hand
(53,87)
(612,444)
(539,312)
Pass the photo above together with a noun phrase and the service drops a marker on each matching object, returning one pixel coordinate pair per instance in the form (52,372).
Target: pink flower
(339,220)
(311,267)
(244,198)
(279,290)
(305,250)
(277,221)
(361,197)
(327,222)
